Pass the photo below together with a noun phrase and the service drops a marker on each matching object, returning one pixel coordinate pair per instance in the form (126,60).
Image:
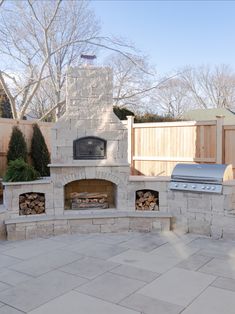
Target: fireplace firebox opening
(147,200)
(89,194)
(89,147)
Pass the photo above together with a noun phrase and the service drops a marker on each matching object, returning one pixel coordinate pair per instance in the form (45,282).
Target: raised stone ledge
(148,178)
(41,181)
(89,163)
(101,215)
(33,227)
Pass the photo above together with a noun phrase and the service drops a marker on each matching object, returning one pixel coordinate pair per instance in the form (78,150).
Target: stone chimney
(89,91)
(89,112)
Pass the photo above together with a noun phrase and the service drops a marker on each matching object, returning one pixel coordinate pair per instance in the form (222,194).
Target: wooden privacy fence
(6,126)
(153,148)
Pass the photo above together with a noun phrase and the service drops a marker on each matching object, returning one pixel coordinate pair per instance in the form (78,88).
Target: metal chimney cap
(88,57)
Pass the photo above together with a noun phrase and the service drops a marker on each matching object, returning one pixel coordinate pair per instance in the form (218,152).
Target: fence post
(219,139)
(130,121)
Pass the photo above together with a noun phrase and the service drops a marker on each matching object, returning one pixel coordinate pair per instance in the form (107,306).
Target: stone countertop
(150,178)
(88,163)
(46,180)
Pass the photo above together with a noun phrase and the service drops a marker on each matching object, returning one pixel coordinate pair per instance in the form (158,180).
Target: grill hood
(200,177)
(213,173)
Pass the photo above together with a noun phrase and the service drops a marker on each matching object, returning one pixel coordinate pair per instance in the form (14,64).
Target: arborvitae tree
(17,146)
(122,113)
(5,107)
(39,152)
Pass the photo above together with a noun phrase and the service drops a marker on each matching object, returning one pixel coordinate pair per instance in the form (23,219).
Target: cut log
(146,200)
(31,203)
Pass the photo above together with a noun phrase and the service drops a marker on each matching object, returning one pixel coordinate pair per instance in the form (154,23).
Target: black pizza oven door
(89,147)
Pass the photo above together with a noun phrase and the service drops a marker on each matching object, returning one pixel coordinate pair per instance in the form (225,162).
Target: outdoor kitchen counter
(150,178)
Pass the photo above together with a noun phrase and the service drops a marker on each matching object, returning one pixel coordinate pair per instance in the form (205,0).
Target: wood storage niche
(147,200)
(31,203)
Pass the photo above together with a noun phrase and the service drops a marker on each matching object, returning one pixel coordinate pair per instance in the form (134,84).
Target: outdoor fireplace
(90,194)
(89,147)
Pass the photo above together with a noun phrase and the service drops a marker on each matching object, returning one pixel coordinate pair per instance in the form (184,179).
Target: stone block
(228,202)
(171,195)
(199,205)
(16,235)
(141,224)
(165,209)
(60,229)
(103,221)
(31,232)
(11,227)
(79,222)
(163,199)
(216,232)
(157,225)
(90,172)
(229,233)
(217,203)
(122,223)
(165,224)
(86,228)
(227,190)
(45,229)
(180,224)
(177,204)
(50,211)
(199,227)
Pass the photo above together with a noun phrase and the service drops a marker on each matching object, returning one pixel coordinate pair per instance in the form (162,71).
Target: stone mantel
(88,163)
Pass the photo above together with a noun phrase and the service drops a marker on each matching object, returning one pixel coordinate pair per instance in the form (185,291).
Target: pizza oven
(89,147)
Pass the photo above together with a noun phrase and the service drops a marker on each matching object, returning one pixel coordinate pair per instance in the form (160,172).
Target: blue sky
(173,33)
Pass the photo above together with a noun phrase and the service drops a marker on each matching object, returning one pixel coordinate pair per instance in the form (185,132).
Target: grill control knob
(203,187)
(208,187)
(213,188)
(176,185)
(185,185)
(194,186)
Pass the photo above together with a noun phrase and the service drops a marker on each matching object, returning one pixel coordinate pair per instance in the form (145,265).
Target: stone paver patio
(126,273)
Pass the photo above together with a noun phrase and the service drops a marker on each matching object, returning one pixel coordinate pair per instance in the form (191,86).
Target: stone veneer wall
(89,112)
(31,228)
(12,191)
(204,213)
(117,175)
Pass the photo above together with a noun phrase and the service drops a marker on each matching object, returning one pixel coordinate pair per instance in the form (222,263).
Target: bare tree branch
(8,93)
(51,110)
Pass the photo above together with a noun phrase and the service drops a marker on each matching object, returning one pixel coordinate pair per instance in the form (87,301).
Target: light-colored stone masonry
(207,214)
(100,222)
(89,112)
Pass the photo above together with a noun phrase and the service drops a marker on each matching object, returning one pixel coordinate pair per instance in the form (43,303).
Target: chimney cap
(88,57)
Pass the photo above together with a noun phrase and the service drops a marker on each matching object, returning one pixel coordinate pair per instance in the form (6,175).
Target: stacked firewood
(146,200)
(88,200)
(32,203)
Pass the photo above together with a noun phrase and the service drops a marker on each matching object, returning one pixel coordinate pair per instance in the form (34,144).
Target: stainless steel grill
(200,177)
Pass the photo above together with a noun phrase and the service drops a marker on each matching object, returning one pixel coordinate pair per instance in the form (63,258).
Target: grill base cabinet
(201,199)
